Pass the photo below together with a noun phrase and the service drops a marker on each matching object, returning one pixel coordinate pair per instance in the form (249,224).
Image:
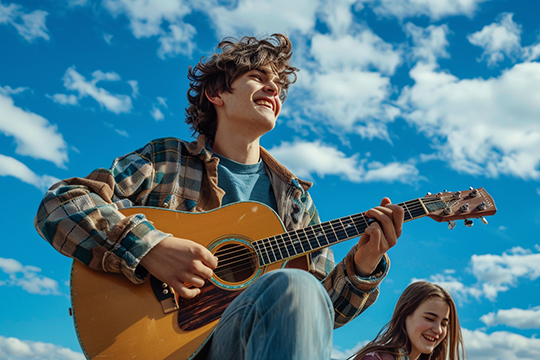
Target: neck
(238,149)
(414,355)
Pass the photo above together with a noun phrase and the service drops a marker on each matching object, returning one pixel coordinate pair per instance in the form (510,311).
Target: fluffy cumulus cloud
(345,84)
(262,17)
(163,19)
(500,345)
(16,349)
(494,274)
(480,126)
(499,40)
(516,318)
(435,10)
(30,25)
(323,160)
(27,277)
(498,272)
(34,135)
(428,44)
(74,81)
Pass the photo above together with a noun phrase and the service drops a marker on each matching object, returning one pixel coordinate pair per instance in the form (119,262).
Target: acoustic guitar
(115,318)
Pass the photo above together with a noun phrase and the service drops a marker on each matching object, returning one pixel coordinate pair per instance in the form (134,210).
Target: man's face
(254,100)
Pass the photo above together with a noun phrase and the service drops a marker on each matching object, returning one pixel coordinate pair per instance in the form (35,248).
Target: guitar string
(308,240)
(236,254)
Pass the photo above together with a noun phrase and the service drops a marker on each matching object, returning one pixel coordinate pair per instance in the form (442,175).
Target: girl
(424,326)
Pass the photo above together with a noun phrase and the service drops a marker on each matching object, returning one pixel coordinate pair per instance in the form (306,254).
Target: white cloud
(30,26)
(498,272)
(15,349)
(342,354)
(345,86)
(460,292)
(499,40)
(116,103)
(364,50)
(352,101)
(337,15)
(493,273)
(435,10)
(64,99)
(517,318)
(27,277)
(34,135)
(179,40)
(13,167)
(500,345)
(134,88)
(149,18)
(531,53)
(162,101)
(480,126)
(157,114)
(429,44)
(262,17)
(107,38)
(323,159)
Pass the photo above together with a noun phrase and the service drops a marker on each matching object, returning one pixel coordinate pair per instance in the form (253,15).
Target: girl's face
(427,326)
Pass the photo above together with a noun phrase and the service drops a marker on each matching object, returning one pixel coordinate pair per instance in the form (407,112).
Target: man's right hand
(182,264)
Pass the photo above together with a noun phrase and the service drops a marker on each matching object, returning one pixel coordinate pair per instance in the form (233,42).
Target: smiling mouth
(265,103)
(430,338)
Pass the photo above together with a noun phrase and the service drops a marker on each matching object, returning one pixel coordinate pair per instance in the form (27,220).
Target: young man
(235,98)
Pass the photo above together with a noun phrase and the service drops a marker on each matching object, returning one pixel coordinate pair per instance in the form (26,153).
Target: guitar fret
(271,253)
(257,247)
(331,237)
(407,212)
(285,246)
(305,240)
(265,256)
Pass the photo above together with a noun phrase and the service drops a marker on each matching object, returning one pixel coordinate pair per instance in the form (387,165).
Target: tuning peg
(468,223)
(451,225)
(428,193)
(484,220)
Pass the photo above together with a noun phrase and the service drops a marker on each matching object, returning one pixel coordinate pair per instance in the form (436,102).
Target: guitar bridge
(165,295)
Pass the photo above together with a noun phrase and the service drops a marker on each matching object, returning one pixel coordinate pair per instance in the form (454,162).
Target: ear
(216,100)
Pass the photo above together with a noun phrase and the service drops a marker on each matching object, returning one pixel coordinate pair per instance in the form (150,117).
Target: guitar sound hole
(237,263)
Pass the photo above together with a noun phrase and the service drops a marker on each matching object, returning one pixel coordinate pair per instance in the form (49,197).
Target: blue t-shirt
(243,182)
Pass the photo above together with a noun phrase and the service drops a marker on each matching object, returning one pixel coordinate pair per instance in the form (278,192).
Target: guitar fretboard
(298,242)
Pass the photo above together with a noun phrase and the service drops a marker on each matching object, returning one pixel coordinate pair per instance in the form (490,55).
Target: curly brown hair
(394,335)
(215,74)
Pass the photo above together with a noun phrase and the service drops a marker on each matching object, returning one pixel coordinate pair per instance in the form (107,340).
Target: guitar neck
(299,242)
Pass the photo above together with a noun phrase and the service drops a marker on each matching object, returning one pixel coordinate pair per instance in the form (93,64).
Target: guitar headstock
(468,204)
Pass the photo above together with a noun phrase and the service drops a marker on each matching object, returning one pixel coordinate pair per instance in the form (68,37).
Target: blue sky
(394,98)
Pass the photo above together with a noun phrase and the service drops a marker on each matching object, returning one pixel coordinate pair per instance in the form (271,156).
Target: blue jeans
(286,314)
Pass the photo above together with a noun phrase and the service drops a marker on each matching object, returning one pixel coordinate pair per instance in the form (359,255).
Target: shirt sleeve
(351,294)
(80,217)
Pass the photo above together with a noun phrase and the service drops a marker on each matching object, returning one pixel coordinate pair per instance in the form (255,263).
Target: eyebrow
(433,314)
(264,72)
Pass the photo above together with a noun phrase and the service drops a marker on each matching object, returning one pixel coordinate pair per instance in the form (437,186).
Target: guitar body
(116,318)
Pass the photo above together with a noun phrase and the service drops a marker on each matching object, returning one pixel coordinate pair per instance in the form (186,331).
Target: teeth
(430,338)
(264,102)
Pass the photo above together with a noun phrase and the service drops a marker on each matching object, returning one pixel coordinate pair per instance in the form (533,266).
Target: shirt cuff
(370,282)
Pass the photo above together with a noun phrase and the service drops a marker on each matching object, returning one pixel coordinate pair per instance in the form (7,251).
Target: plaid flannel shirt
(79,217)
